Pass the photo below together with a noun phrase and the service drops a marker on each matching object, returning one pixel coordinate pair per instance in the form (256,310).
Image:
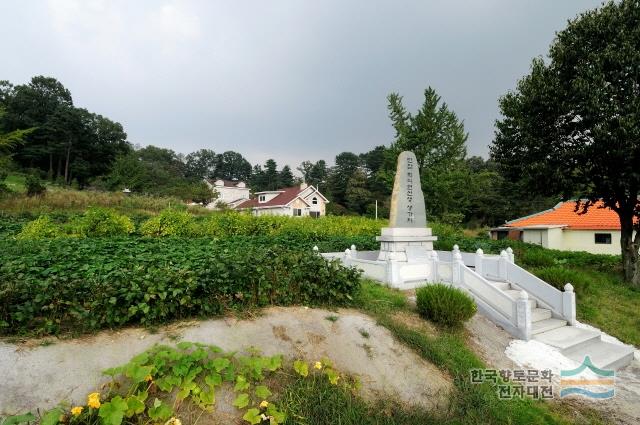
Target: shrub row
(56,285)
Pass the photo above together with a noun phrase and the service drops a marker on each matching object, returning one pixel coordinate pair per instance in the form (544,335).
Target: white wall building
(297,201)
(229,192)
(562,228)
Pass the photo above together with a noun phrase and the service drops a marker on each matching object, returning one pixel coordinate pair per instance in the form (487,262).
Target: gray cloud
(289,80)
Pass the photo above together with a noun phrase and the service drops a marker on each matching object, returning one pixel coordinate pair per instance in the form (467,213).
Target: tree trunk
(50,166)
(635,280)
(59,173)
(66,165)
(629,248)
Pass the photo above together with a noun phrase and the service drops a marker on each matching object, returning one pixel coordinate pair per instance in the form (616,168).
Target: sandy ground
(491,343)
(37,376)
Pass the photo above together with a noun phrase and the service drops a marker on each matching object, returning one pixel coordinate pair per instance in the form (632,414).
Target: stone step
(538,314)
(515,294)
(603,355)
(503,286)
(568,338)
(547,325)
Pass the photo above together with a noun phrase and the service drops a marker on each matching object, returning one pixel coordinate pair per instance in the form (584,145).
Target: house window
(262,198)
(603,238)
(314,214)
(297,212)
(314,201)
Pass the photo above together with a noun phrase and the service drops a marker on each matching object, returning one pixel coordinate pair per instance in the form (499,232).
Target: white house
(229,192)
(297,201)
(562,228)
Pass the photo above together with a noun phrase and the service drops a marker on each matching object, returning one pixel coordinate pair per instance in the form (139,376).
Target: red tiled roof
(287,195)
(564,214)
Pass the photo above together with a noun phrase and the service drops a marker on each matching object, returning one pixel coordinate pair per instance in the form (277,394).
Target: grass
(612,306)
(59,200)
(16,182)
(471,404)
(314,401)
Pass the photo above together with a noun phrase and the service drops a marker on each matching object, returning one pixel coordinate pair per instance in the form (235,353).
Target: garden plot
(38,375)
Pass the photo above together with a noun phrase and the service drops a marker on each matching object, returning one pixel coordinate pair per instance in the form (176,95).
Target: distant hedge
(49,286)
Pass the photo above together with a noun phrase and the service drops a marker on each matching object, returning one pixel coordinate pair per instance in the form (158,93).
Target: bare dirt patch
(36,376)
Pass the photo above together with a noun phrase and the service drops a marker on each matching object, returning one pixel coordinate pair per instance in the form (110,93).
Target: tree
(357,197)
(285,177)
(270,176)
(572,127)
(232,166)
(434,134)
(437,137)
(314,174)
(346,164)
(201,164)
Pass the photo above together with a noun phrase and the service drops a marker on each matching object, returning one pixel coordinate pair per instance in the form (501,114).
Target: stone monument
(407,238)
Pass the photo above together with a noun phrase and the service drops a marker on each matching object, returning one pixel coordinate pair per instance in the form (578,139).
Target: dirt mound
(41,376)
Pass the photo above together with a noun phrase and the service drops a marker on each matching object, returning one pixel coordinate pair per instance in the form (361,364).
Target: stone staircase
(573,342)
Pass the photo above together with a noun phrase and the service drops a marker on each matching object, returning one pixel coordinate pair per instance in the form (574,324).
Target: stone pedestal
(408,244)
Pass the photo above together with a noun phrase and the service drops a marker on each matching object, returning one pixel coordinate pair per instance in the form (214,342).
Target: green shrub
(445,304)
(86,284)
(559,276)
(170,222)
(34,186)
(537,257)
(98,221)
(40,228)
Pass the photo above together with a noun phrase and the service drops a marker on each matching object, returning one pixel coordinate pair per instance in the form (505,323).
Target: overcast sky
(290,80)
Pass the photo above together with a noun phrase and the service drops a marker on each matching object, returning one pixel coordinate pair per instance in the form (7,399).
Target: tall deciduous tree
(437,137)
(572,126)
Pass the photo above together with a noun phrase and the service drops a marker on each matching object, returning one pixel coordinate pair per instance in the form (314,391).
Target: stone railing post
(502,265)
(523,316)
(456,266)
(434,267)
(393,271)
(315,249)
(569,304)
(354,252)
(347,257)
(512,257)
(479,259)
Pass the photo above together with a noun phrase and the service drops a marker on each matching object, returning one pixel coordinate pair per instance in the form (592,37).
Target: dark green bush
(34,186)
(537,257)
(49,286)
(445,305)
(559,276)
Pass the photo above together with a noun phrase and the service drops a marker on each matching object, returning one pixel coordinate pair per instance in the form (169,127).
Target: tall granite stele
(407,239)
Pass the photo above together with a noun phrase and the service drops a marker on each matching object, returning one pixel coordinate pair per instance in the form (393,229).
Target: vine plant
(141,391)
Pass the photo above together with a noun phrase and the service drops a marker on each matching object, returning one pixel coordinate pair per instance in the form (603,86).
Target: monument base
(409,244)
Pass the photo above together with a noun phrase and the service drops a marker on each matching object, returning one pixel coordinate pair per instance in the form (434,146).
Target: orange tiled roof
(564,214)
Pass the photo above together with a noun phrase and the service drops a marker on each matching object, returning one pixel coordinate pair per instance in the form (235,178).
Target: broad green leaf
(301,367)
(252,416)
(220,363)
(277,416)
(113,411)
(241,383)
(262,392)
(160,411)
(135,406)
(274,363)
(19,419)
(52,417)
(241,401)
(213,379)
(332,375)
(138,373)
